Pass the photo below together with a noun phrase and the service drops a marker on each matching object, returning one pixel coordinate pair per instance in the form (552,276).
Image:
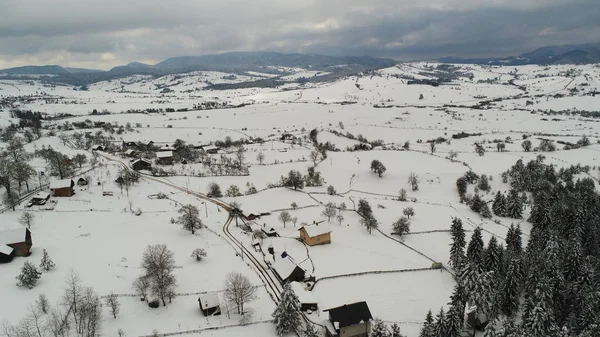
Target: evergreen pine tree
(499,205)
(457,248)
(310,331)
(287,314)
(441,324)
(428,327)
(454,321)
(395,331)
(485,212)
(491,261)
(475,248)
(458,299)
(514,247)
(511,288)
(46,264)
(490,330)
(378,329)
(29,275)
(514,205)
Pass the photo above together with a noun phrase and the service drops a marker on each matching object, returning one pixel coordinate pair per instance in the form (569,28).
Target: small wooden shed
(209,304)
(62,188)
(15,242)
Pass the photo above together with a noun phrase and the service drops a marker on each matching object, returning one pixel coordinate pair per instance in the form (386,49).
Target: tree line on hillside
(552,284)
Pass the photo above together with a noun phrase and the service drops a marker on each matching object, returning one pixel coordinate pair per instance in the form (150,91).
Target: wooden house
(307,300)
(130,153)
(315,235)
(164,158)
(98,148)
(210,149)
(62,188)
(15,242)
(40,198)
(287,270)
(209,304)
(141,164)
(82,182)
(270,232)
(349,320)
(252,215)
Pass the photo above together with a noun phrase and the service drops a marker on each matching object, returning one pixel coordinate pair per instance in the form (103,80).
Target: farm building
(164,158)
(127,145)
(307,299)
(97,148)
(209,304)
(287,271)
(211,149)
(166,147)
(315,235)
(62,188)
(82,182)
(40,198)
(141,164)
(252,216)
(15,242)
(130,153)
(349,320)
(270,232)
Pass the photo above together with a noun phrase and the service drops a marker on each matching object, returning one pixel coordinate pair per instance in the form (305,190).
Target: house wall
(21,248)
(63,192)
(315,240)
(357,330)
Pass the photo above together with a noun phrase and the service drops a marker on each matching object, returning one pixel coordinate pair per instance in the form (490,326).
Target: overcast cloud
(106,33)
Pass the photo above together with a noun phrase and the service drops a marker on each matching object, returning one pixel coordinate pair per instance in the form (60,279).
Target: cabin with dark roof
(15,242)
(141,164)
(349,320)
(164,158)
(287,270)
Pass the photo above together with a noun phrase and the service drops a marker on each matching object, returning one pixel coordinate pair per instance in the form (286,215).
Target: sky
(107,33)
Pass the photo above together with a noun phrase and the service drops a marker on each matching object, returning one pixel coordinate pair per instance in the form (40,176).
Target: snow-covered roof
(164,154)
(210,147)
(41,195)
(61,183)
(129,152)
(95,147)
(166,147)
(6,250)
(330,328)
(13,236)
(284,267)
(143,160)
(305,296)
(316,230)
(209,300)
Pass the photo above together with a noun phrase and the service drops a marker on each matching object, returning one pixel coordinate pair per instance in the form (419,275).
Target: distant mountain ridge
(567,54)
(234,62)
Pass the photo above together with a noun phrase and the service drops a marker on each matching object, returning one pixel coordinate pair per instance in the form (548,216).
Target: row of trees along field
(549,288)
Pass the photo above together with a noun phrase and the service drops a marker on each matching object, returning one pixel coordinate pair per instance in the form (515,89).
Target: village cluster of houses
(164,155)
(352,319)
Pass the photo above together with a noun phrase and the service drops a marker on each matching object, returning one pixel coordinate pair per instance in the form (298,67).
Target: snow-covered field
(102,239)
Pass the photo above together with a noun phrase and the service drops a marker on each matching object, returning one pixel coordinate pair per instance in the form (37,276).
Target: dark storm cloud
(110,32)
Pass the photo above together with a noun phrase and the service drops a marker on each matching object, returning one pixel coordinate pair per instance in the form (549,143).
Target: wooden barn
(62,188)
(97,148)
(164,158)
(307,300)
(315,235)
(15,242)
(210,149)
(130,153)
(349,320)
(287,270)
(209,304)
(141,164)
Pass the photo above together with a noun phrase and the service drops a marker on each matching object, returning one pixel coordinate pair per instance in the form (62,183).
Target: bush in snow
(401,226)
(331,190)
(199,254)
(214,191)
(29,275)
(46,264)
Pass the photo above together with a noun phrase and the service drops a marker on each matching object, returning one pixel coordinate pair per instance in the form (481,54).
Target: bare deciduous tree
(189,218)
(413,181)
(284,217)
(158,262)
(239,290)
(112,302)
(141,286)
(260,157)
(314,157)
(27,219)
(330,211)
